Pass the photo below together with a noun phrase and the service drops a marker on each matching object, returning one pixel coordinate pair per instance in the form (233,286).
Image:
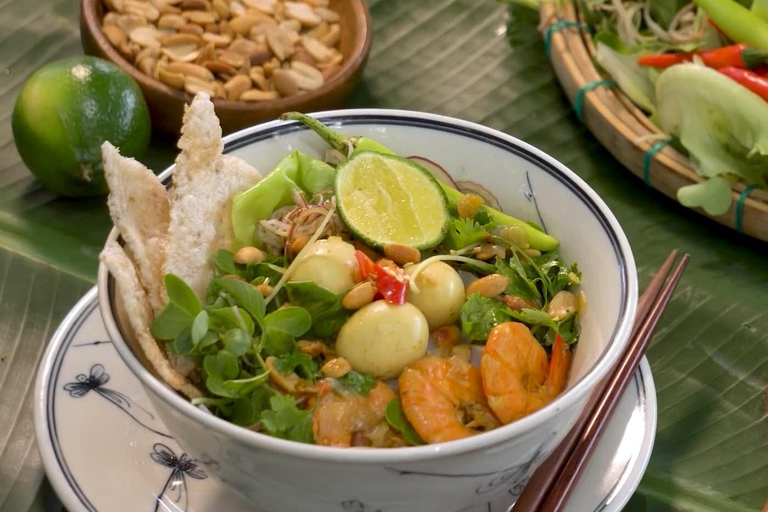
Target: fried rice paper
(136,306)
(138,204)
(204,183)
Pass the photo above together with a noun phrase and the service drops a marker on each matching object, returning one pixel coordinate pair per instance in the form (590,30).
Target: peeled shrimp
(443,399)
(517,378)
(347,419)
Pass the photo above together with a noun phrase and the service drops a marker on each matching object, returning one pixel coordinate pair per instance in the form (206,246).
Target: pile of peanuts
(240,50)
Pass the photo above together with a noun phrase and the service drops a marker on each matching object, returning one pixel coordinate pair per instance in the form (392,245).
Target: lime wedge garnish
(385,199)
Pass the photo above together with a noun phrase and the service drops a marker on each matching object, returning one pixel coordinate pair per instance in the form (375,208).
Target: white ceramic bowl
(283,476)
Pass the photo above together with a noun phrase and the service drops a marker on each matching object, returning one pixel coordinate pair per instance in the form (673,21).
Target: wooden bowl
(166,105)
(627,132)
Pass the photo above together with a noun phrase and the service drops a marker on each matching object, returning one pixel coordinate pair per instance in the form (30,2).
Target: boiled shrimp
(443,399)
(517,378)
(347,419)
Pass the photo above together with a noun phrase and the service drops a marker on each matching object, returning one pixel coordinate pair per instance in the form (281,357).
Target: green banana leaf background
(476,60)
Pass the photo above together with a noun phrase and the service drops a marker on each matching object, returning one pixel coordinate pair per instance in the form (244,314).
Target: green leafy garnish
(182,308)
(285,420)
(290,319)
(480,314)
(520,284)
(357,382)
(246,295)
(302,364)
(323,305)
(397,420)
(462,233)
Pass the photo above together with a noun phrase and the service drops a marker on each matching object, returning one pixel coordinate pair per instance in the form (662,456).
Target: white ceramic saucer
(105,450)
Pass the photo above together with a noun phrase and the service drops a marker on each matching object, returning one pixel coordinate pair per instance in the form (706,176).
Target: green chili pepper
(737,22)
(296,172)
(349,145)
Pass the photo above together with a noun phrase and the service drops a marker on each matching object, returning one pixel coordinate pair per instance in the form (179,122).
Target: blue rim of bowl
(617,340)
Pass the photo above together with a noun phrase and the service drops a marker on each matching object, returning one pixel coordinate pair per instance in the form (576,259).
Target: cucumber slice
(386,199)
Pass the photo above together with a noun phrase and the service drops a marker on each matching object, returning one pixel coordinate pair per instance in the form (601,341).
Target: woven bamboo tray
(625,130)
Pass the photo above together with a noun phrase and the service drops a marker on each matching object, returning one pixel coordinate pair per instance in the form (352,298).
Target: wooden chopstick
(539,487)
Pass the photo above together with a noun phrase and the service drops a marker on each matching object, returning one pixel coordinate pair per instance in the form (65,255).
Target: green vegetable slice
(723,125)
(386,199)
(397,420)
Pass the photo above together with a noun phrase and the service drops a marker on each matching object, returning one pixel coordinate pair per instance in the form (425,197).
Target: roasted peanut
(402,254)
(360,295)
(265,289)
(489,286)
(336,368)
(249,255)
(446,336)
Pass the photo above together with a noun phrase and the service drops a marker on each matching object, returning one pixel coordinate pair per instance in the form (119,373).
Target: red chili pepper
(735,55)
(752,81)
(391,283)
(366,265)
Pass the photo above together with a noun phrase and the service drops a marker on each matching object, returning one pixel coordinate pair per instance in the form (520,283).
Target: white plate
(105,450)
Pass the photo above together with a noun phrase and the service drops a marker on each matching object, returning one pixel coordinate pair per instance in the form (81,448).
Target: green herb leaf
(199,327)
(246,295)
(462,233)
(286,421)
(323,305)
(181,310)
(359,383)
(222,364)
(275,342)
(182,344)
(180,294)
(397,420)
(247,410)
(246,385)
(292,320)
(309,295)
(532,317)
(218,368)
(520,285)
(224,319)
(236,341)
(480,314)
(224,261)
(302,364)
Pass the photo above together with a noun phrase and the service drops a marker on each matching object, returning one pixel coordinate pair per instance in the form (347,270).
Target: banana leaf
(477,60)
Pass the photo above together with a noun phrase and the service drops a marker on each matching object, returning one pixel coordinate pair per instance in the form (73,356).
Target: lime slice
(385,199)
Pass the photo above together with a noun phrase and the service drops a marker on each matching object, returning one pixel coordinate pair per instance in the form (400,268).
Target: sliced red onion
(435,169)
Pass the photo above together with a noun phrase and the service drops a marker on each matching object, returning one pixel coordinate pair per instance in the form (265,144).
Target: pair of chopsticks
(552,483)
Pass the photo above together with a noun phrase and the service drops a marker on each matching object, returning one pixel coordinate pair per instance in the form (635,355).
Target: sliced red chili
(366,264)
(391,283)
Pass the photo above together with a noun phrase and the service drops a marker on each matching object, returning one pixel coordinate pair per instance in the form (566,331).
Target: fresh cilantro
(520,284)
(480,314)
(302,364)
(285,420)
(462,233)
(357,382)
(397,420)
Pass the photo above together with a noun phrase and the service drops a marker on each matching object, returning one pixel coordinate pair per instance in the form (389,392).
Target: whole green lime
(66,110)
